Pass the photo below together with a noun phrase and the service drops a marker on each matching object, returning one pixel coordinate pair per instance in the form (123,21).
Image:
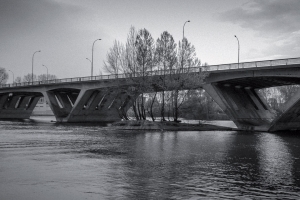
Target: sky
(64,31)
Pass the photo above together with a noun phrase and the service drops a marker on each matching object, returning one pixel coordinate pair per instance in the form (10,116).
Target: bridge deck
(209,68)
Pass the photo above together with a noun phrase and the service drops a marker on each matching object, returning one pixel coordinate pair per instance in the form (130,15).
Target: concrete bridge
(104,98)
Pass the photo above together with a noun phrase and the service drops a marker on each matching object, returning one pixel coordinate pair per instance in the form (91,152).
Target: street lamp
(182,43)
(238,50)
(32,66)
(47,71)
(93,57)
(183,28)
(13,76)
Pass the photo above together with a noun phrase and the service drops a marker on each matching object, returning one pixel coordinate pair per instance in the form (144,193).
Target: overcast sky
(64,30)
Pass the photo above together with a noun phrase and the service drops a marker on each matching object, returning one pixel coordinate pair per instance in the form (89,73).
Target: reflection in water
(175,164)
(42,160)
(275,160)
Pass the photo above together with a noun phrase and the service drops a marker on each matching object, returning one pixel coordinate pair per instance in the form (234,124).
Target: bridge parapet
(254,64)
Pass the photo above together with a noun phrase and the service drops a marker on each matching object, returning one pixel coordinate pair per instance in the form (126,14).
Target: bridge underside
(240,100)
(18,105)
(91,105)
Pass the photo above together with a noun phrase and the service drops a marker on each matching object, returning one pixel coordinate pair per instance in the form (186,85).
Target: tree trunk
(175,107)
(163,107)
(134,107)
(143,111)
(139,110)
(124,113)
(151,107)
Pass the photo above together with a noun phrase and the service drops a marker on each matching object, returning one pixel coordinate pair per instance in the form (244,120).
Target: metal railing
(244,65)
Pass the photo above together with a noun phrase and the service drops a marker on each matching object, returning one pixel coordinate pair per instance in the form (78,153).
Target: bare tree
(45,77)
(115,58)
(145,60)
(130,63)
(18,79)
(276,96)
(130,66)
(140,56)
(185,76)
(120,58)
(165,55)
(28,78)
(286,92)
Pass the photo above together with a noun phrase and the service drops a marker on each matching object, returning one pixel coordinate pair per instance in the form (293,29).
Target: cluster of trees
(277,96)
(199,105)
(170,98)
(176,64)
(27,78)
(194,105)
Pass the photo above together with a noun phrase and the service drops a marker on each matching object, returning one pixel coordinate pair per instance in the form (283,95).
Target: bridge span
(104,98)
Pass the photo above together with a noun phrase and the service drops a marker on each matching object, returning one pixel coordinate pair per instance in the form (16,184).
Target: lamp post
(183,28)
(32,66)
(93,57)
(238,50)
(13,75)
(47,71)
(182,44)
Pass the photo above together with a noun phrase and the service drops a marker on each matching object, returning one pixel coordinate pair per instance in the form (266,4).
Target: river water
(41,160)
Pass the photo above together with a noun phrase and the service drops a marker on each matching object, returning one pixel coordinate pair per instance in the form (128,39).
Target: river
(41,160)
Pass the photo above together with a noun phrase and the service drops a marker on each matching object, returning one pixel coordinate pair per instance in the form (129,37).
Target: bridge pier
(245,107)
(18,105)
(60,102)
(88,105)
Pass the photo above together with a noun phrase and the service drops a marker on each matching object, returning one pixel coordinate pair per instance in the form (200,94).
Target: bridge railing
(264,63)
(244,65)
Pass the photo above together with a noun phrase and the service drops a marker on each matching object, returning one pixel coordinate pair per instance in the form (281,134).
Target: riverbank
(167,125)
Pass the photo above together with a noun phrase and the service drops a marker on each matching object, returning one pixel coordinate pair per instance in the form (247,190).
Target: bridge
(103,98)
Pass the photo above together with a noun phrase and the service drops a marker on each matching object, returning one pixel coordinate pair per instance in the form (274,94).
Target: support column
(243,105)
(99,107)
(64,101)
(3,100)
(96,105)
(61,102)
(55,106)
